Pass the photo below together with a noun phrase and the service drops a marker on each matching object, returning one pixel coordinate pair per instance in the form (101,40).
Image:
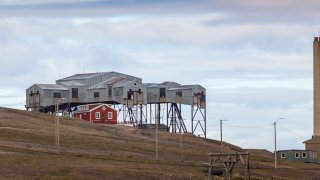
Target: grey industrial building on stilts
(140,104)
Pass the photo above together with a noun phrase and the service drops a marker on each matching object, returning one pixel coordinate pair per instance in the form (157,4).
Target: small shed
(96,113)
(306,156)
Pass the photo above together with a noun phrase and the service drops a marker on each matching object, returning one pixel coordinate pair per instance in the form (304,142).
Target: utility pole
(221,134)
(57,127)
(156,139)
(156,122)
(181,146)
(58,124)
(275,143)
(181,143)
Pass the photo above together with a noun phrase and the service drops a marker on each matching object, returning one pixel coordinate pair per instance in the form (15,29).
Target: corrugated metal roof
(73,83)
(102,85)
(51,86)
(183,87)
(151,85)
(108,82)
(117,79)
(82,76)
(168,82)
(164,84)
(123,83)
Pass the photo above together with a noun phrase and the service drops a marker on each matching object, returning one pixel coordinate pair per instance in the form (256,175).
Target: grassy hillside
(91,151)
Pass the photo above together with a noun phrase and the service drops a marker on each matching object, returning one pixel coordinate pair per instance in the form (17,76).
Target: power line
(240,126)
(243,126)
(292,133)
(217,125)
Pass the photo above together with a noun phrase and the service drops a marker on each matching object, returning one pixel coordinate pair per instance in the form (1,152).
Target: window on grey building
(56,95)
(297,155)
(109,90)
(283,155)
(304,155)
(130,95)
(203,98)
(179,93)
(118,91)
(74,92)
(96,95)
(162,92)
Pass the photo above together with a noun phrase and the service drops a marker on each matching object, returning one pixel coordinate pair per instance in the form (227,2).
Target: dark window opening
(179,93)
(109,90)
(57,95)
(96,95)
(74,92)
(130,95)
(304,155)
(203,98)
(162,92)
(118,91)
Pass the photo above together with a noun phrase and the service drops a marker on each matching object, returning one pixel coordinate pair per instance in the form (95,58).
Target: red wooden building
(96,113)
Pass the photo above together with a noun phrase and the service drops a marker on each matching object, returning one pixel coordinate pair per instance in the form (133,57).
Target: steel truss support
(176,120)
(143,115)
(166,113)
(198,119)
(134,115)
(130,113)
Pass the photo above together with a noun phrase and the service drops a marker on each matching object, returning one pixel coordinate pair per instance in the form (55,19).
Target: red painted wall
(104,109)
(84,115)
(104,115)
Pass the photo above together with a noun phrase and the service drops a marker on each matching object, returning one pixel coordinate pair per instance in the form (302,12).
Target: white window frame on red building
(110,114)
(97,115)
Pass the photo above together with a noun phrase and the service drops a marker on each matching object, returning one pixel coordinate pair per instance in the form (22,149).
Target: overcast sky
(254,57)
